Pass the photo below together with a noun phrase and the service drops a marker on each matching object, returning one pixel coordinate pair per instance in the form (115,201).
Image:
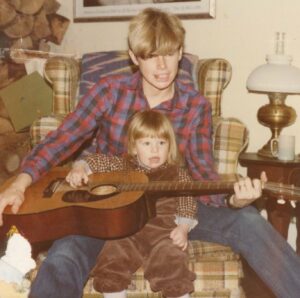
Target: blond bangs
(152,130)
(154,32)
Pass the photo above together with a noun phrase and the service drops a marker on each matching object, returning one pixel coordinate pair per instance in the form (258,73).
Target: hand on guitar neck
(246,191)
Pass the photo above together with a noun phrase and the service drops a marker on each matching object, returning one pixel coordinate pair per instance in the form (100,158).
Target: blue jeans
(250,235)
(65,270)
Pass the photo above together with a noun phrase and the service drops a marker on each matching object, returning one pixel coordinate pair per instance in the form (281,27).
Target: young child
(161,245)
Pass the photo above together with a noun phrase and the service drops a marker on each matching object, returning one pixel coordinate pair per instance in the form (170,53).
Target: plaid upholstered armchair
(218,268)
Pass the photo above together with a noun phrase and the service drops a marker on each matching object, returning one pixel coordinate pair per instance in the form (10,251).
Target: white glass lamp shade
(277,75)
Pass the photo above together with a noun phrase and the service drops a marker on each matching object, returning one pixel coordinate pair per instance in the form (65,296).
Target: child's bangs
(153,131)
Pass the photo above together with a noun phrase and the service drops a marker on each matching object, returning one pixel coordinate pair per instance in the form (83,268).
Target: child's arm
(93,163)
(185,215)
(186,205)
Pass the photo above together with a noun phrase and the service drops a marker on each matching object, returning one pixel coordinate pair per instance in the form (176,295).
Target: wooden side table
(279,215)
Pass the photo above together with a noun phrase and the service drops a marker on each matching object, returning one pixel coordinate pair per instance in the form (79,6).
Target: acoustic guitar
(112,205)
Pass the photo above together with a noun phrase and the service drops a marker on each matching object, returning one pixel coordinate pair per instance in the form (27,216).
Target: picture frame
(116,10)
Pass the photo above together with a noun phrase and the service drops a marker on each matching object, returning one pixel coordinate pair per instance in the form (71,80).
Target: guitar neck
(188,187)
(135,181)
(274,189)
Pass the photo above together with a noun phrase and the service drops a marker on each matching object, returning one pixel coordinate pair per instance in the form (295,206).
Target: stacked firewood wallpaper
(27,24)
(27,27)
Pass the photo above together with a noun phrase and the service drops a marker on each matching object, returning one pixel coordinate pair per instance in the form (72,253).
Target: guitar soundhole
(96,193)
(102,190)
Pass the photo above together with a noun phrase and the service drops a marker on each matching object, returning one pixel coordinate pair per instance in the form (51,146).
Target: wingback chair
(217,267)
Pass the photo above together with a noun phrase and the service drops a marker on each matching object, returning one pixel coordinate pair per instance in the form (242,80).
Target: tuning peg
(281,201)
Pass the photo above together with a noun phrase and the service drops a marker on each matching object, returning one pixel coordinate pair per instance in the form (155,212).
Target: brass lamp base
(265,151)
(276,115)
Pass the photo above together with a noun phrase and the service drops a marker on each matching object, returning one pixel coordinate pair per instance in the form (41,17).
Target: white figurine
(16,262)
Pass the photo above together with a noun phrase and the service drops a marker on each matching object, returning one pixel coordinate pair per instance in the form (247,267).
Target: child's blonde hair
(154,32)
(153,124)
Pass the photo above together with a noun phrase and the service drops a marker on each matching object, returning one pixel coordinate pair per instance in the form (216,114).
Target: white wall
(242,32)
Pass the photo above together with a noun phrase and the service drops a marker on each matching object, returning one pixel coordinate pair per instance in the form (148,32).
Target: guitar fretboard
(172,186)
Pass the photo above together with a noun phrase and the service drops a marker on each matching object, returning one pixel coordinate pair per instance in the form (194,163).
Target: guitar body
(48,218)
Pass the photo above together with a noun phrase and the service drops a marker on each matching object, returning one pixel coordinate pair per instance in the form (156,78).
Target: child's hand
(77,175)
(180,236)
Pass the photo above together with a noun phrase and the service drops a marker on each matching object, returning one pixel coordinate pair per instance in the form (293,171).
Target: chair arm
(213,76)
(230,138)
(63,75)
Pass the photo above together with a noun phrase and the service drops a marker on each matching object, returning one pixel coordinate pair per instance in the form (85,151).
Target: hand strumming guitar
(14,195)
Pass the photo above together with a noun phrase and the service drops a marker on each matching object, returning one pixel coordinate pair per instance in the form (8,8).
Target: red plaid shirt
(104,112)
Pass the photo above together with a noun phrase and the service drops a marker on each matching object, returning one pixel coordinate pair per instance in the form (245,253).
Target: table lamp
(277,78)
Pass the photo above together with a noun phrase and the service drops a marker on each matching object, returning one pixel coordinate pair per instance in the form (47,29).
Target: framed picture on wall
(110,10)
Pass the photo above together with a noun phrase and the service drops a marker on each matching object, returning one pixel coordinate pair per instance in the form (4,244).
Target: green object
(26,100)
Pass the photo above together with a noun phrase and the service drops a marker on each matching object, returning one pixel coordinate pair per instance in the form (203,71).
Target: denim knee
(250,222)
(248,229)
(75,246)
(65,270)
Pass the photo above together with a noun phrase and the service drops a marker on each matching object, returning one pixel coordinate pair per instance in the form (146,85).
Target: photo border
(201,9)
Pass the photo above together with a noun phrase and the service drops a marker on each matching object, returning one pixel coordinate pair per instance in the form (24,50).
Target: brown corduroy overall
(165,265)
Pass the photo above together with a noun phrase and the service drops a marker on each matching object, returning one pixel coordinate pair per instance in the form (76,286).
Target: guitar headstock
(282,191)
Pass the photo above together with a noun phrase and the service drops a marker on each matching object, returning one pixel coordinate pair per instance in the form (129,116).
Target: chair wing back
(213,76)
(63,74)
